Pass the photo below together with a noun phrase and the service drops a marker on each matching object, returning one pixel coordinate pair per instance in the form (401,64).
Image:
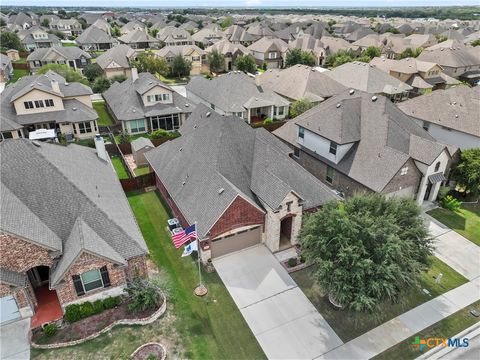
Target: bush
(124,138)
(450,203)
(111,302)
(143,296)
(442,192)
(98,307)
(73,313)
(158,134)
(292,262)
(86,309)
(50,330)
(76,312)
(267,121)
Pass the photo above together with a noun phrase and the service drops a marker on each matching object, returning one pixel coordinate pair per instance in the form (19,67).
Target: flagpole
(200,290)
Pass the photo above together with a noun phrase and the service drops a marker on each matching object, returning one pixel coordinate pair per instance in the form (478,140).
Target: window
(85,127)
(279,111)
(301,132)
(426,126)
(329,177)
(91,280)
(272,55)
(28,104)
(296,152)
(166,97)
(239,114)
(333,148)
(166,122)
(437,166)
(404,170)
(39,104)
(151,98)
(49,103)
(137,126)
(289,206)
(195,58)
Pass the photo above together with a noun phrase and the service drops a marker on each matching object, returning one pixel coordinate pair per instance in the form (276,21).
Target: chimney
(134,74)
(55,86)
(100,146)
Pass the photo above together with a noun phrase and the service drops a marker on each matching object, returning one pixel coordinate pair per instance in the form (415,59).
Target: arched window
(437,166)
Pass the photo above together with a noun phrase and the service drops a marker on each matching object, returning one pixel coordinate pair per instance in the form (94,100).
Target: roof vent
(183,183)
(220,191)
(208,114)
(456,115)
(454,103)
(187,105)
(74,109)
(66,84)
(374,98)
(180,149)
(338,105)
(134,110)
(351,92)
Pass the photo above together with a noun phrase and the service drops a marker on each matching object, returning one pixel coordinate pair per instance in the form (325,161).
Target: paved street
(283,320)
(14,343)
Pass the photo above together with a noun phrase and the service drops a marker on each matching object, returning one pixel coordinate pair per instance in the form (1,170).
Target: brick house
(67,233)
(357,142)
(238,183)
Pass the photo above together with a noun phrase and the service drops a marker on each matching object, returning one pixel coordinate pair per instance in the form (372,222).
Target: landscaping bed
(150,351)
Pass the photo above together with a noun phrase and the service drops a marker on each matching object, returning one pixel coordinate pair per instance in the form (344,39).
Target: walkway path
(14,344)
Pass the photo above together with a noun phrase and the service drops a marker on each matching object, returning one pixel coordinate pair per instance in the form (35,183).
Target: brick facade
(18,293)
(166,197)
(20,255)
(411,179)
(137,266)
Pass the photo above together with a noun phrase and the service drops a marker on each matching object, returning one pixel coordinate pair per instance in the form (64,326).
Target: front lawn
(142,170)
(465,221)
(104,118)
(446,328)
(17,74)
(173,81)
(122,172)
(348,324)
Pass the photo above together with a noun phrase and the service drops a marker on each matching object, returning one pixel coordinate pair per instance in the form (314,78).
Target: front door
(428,191)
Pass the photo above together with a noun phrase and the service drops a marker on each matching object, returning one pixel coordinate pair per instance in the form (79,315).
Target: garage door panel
(8,309)
(237,241)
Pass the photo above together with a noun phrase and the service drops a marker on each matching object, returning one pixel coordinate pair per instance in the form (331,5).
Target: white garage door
(237,241)
(8,309)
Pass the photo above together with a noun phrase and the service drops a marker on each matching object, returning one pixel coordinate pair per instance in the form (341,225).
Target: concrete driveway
(14,344)
(284,321)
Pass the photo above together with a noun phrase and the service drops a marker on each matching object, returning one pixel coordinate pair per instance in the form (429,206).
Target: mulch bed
(85,327)
(147,350)
(299,266)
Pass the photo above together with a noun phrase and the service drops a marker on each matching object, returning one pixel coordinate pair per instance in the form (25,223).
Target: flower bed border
(143,321)
(292,269)
(164,356)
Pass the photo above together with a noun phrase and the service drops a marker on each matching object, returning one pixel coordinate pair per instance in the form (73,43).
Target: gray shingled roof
(137,36)
(452,57)
(68,53)
(120,54)
(12,278)
(140,143)
(48,189)
(94,35)
(226,47)
(222,158)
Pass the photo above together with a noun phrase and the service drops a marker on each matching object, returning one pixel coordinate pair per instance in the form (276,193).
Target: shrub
(98,306)
(86,309)
(111,302)
(72,313)
(158,134)
(267,121)
(124,138)
(292,262)
(152,357)
(442,192)
(143,296)
(50,330)
(450,203)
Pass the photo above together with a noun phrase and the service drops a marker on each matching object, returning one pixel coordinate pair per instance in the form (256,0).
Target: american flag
(185,235)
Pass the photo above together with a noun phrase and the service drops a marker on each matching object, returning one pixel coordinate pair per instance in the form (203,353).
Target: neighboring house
(357,142)
(451,116)
(238,184)
(236,93)
(365,77)
(117,60)
(142,103)
(421,40)
(229,51)
(269,51)
(103,25)
(309,44)
(73,57)
(333,45)
(47,102)
(69,27)
(139,147)
(192,53)
(359,34)
(173,36)
(67,232)
(138,39)
(95,39)
(20,21)
(300,82)
(259,31)
(36,37)
(132,26)
(238,35)
(6,68)
(208,36)
(420,75)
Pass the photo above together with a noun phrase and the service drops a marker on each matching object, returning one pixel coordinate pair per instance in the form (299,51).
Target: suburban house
(173,36)
(70,238)
(270,51)
(132,26)
(192,53)
(72,56)
(237,183)
(20,21)
(451,116)
(358,142)
(138,39)
(142,103)
(420,75)
(6,68)
(95,39)
(36,37)
(103,25)
(300,82)
(208,36)
(236,93)
(366,77)
(238,35)
(230,52)
(47,102)
(69,27)
(117,60)
(309,44)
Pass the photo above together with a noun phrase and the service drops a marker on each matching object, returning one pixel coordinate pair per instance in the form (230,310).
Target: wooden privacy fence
(138,183)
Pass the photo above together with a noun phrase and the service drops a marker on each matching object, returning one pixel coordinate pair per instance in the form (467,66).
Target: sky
(240,3)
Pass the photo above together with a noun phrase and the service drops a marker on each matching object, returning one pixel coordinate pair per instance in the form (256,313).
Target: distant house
(138,39)
(309,44)
(6,68)
(269,51)
(236,93)
(357,142)
(73,57)
(142,103)
(117,60)
(238,35)
(67,233)
(47,102)
(20,21)
(192,53)
(172,36)
(132,26)
(94,39)
(208,36)
(229,51)
(69,27)
(451,116)
(36,38)
(237,183)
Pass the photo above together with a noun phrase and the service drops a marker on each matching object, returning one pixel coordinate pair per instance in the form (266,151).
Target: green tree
(153,32)
(475,42)
(115,31)
(340,57)
(148,62)
(246,63)
(9,40)
(441,38)
(92,71)
(300,106)
(225,23)
(411,53)
(45,22)
(216,61)
(371,52)
(101,85)
(297,56)
(2,22)
(367,250)
(467,172)
(180,67)
(123,19)
(57,33)
(118,78)
(68,73)
(392,30)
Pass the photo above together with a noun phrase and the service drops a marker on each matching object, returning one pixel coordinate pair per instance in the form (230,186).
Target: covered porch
(259,114)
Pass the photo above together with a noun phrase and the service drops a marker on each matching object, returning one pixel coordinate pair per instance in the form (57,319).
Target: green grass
(142,170)
(122,172)
(348,324)
(446,328)
(68,44)
(172,81)
(104,118)
(465,221)
(17,74)
(132,137)
(20,61)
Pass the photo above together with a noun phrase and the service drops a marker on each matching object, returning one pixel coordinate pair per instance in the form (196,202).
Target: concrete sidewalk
(14,344)
(400,328)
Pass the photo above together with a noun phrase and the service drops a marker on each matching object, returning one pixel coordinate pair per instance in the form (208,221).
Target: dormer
(35,99)
(38,35)
(157,95)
